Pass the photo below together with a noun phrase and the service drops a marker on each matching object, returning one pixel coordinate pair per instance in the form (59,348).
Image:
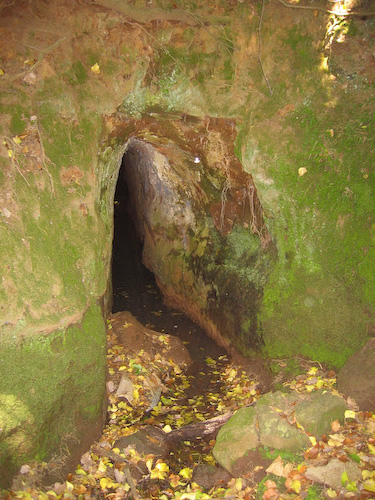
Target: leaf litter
(145,389)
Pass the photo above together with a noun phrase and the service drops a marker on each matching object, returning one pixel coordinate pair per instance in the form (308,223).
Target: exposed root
(327,11)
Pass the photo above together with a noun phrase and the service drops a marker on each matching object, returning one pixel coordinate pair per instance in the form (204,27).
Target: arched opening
(130,278)
(134,286)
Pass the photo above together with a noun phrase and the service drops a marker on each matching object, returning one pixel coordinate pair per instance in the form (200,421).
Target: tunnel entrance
(134,286)
(132,281)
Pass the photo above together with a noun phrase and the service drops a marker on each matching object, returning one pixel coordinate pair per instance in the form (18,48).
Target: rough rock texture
(331,473)
(275,415)
(209,476)
(318,411)
(135,336)
(357,377)
(271,423)
(264,177)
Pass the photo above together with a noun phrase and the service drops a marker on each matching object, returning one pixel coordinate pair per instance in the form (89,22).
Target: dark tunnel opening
(134,286)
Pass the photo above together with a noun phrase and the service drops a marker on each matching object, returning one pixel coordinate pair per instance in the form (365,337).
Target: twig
(13,159)
(37,62)
(130,481)
(327,11)
(260,49)
(226,188)
(43,158)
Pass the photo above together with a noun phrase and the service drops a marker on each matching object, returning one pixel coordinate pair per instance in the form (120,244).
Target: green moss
(79,72)
(287,456)
(18,123)
(61,387)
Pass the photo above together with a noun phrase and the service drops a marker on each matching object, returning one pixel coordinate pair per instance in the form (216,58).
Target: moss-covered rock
(52,391)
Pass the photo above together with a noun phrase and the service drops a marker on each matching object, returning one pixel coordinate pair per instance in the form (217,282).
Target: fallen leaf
(278,469)
(331,493)
(302,171)
(349,414)
(369,485)
(335,426)
(95,69)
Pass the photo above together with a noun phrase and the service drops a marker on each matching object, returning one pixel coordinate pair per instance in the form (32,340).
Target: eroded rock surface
(357,377)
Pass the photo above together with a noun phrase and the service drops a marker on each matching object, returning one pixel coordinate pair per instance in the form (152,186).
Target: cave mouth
(132,282)
(134,286)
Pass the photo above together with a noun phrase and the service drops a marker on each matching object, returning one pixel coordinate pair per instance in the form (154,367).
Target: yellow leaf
(10,153)
(295,486)
(1,72)
(349,414)
(238,484)
(302,171)
(162,466)
(187,473)
(371,448)
(149,464)
(105,482)
(331,493)
(319,384)
(369,485)
(167,428)
(16,140)
(160,471)
(312,440)
(69,486)
(102,467)
(313,369)
(95,69)
(368,474)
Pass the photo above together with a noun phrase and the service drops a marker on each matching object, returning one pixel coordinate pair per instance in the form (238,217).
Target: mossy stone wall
(303,127)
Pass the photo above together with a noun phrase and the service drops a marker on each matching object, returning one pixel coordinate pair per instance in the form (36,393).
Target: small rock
(125,389)
(25,469)
(331,474)
(110,386)
(209,476)
(30,78)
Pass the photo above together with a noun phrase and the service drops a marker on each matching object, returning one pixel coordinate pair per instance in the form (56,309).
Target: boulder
(131,333)
(275,417)
(357,377)
(272,423)
(236,438)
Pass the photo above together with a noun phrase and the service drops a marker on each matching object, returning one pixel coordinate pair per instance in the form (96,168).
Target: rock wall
(260,222)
